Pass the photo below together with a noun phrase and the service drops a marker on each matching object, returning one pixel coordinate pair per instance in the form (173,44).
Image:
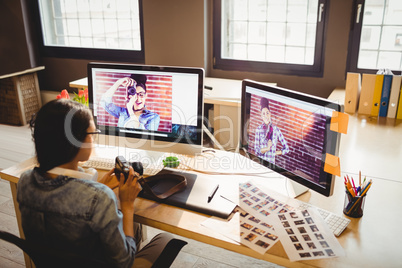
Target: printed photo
(285,224)
(265,213)
(255,199)
(279,203)
(305,213)
(247,202)
(254,219)
(293,215)
(288,207)
(282,210)
(319,236)
(302,230)
(273,207)
(250,237)
(271,236)
(243,213)
(257,207)
(262,194)
(255,190)
(311,245)
(246,225)
(293,238)
(266,225)
(314,228)
(305,255)
(299,222)
(282,217)
(262,244)
(324,244)
(264,203)
(318,253)
(306,237)
(309,220)
(258,231)
(247,185)
(330,252)
(290,231)
(298,246)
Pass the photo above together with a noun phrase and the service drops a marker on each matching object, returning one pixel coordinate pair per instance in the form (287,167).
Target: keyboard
(108,164)
(337,224)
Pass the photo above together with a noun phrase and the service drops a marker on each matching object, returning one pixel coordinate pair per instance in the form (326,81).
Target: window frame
(315,70)
(122,55)
(354,41)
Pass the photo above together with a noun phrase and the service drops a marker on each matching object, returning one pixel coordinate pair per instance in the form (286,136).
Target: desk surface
(371,241)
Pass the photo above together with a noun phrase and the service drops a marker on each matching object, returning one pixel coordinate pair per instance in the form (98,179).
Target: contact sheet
(266,217)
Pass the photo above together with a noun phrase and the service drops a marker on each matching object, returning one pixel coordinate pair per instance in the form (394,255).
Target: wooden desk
(371,241)
(225,97)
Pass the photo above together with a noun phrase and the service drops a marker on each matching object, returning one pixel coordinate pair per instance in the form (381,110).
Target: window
(376,40)
(108,29)
(269,36)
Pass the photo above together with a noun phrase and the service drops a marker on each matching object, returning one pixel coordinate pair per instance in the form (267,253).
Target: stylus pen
(211,195)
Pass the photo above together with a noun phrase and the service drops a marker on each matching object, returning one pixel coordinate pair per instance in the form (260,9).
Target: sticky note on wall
(339,122)
(332,165)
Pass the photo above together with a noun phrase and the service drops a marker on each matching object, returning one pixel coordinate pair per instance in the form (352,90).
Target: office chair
(47,257)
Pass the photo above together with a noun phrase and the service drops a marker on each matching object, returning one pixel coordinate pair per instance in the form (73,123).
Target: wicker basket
(19,97)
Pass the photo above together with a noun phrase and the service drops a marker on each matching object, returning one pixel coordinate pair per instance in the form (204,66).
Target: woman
(70,212)
(267,136)
(135,114)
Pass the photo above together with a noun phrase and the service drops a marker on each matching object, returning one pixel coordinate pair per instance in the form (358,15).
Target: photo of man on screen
(267,136)
(135,114)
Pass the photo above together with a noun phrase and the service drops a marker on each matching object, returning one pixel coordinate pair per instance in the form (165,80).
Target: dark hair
(58,130)
(264,103)
(141,80)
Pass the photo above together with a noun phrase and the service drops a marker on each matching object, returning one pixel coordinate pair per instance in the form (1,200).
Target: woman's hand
(109,180)
(128,191)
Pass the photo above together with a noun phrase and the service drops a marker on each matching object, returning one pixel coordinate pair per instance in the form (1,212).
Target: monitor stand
(295,189)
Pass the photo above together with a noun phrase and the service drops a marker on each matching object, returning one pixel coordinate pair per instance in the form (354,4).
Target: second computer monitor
(156,108)
(289,132)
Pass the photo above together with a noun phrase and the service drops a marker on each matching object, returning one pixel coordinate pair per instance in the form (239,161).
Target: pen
(211,195)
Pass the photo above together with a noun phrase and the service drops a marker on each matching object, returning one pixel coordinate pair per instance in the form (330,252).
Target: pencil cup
(353,206)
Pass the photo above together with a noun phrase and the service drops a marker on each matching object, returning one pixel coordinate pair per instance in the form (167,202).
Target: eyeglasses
(97,131)
(94,134)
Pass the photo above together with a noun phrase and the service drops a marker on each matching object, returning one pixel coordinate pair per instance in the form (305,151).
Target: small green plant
(171,161)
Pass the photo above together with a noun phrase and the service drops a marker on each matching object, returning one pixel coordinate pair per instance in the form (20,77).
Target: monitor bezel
(332,144)
(114,131)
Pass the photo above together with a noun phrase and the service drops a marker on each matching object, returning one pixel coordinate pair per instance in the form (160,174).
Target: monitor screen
(289,132)
(152,107)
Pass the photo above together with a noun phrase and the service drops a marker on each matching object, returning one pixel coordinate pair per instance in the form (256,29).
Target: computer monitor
(157,108)
(289,132)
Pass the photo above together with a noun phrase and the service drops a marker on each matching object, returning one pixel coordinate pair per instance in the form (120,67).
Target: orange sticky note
(332,165)
(339,122)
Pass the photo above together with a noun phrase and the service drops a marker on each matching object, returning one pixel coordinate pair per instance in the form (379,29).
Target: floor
(16,145)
